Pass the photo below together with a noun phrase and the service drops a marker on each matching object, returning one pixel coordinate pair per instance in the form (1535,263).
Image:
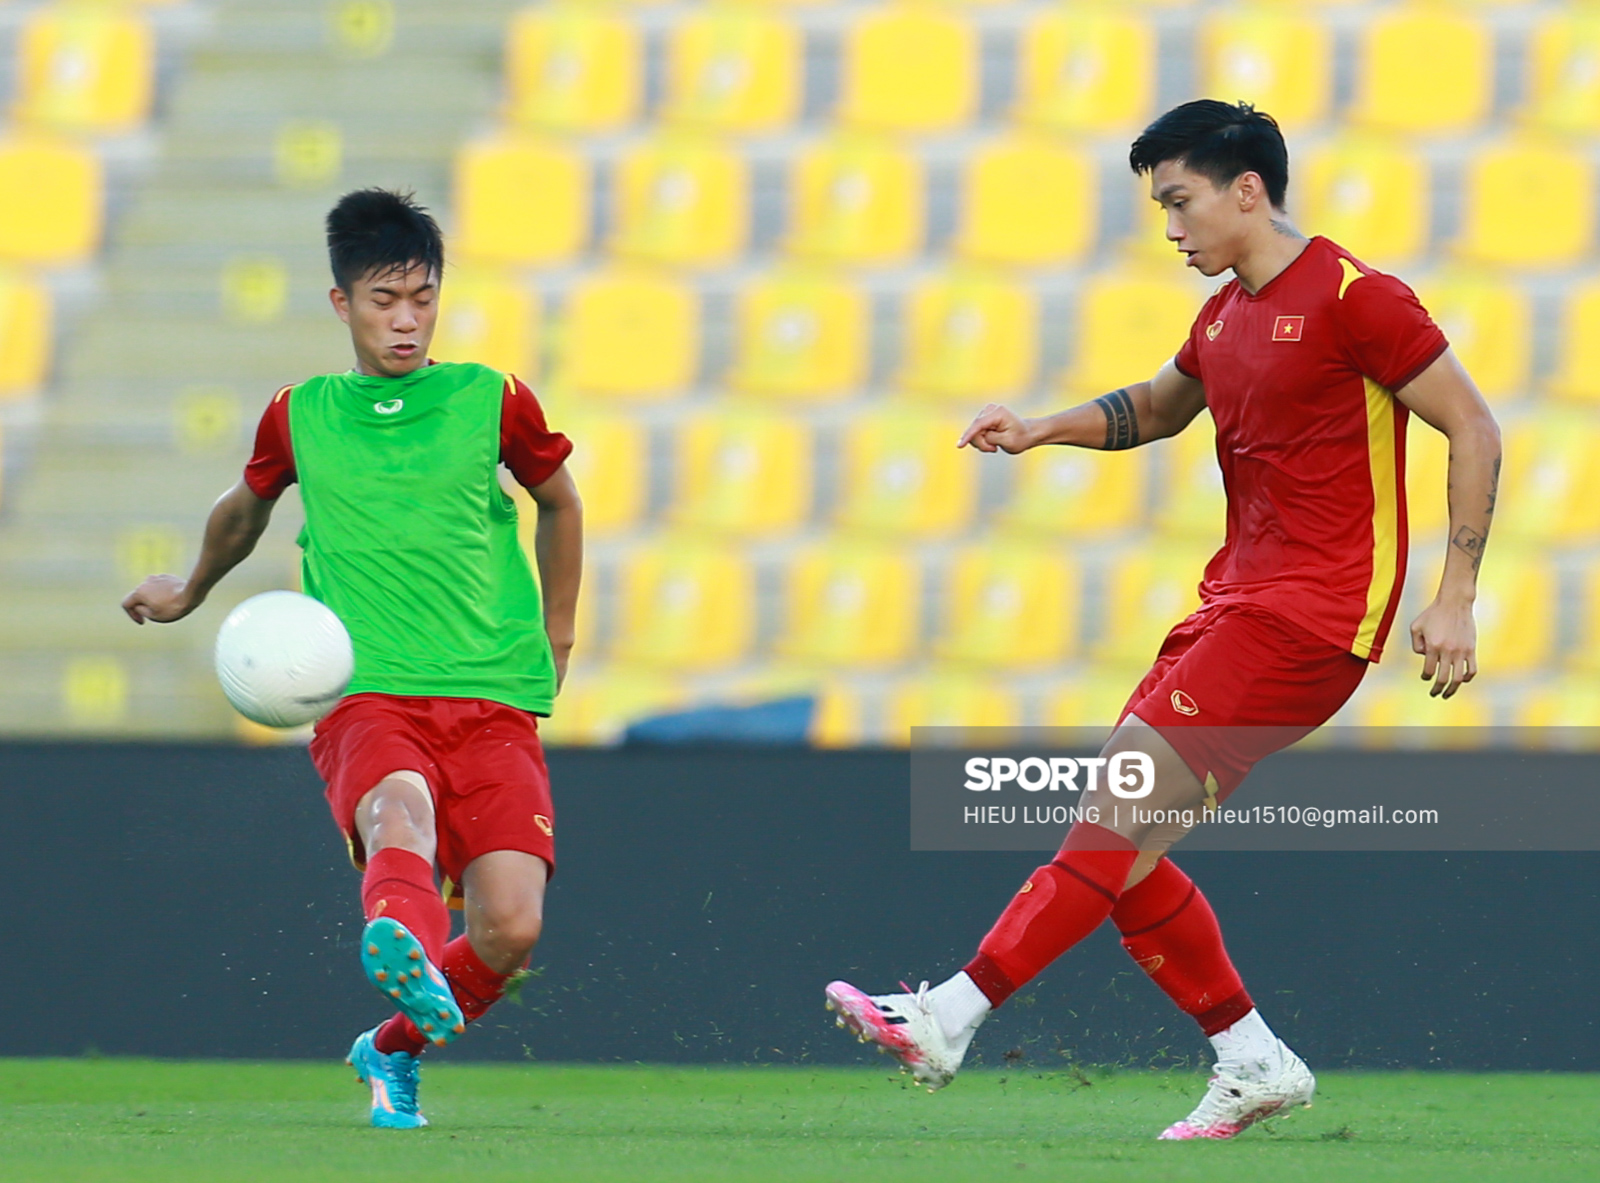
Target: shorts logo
(1288,328)
(1213,329)
(1183,704)
(544,824)
(393,406)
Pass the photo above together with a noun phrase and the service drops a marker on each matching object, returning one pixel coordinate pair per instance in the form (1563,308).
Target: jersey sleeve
(527,446)
(271,467)
(1389,335)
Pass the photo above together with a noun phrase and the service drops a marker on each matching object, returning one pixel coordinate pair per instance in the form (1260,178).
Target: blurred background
(762,261)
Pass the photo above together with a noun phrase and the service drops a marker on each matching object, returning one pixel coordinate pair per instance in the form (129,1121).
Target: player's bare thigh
(1176,789)
(398,812)
(504,892)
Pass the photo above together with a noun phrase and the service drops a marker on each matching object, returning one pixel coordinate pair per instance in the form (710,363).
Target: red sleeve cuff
(1415,372)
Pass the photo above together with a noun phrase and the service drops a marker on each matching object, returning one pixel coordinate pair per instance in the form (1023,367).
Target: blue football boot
(396,964)
(393,1080)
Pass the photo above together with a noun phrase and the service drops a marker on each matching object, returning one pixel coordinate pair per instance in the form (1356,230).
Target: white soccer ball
(283,659)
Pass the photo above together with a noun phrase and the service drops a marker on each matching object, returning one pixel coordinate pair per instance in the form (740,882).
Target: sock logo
(1026,888)
(544,824)
(1150,964)
(383,906)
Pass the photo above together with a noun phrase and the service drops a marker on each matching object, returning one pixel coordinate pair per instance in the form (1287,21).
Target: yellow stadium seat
(1422,68)
(521,202)
(903,475)
(682,201)
(631,334)
(51,201)
(489,318)
(1129,323)
(734,71)
(1570,703)
(1370,196)
(1585,655)
(572,68)
(968,335)
(743,472)
(856,201)
(26,318)
(1015,605)
(1094,698)
(609,462)
(1280,61)
(1550,481)
(949,700)
(1087,69)
(1401,701)
(1516,610)
(1528,203)
(1489,324)
(685,605)
(1148,590)
(801,335)
(85,67)
(907,67)
(1578,374)
(854,606)
(1562,69)
(597,704)
(1193,502)
(1427,475)
(1027,200)
(1077,492)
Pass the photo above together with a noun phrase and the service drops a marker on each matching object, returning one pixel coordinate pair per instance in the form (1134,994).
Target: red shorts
(482,760)
(1234,683)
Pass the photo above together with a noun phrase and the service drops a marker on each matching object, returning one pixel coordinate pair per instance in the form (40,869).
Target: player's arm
(232,531)
(1445,397)
(558,549)
(1125,418)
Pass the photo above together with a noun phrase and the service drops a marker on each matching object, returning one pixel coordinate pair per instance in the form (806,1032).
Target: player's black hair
(1220,141)
(379,231)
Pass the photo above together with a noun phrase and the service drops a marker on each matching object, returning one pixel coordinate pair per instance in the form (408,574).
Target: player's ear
(340,302)
(1251,191)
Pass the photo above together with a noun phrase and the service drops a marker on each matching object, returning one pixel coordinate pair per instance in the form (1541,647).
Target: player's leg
(1061,903)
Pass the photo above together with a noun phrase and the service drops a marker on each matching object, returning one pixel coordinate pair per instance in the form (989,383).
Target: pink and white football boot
(906,1027)
(1235,1101)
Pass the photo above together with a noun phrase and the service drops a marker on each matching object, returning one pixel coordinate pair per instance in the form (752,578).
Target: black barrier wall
(196,901)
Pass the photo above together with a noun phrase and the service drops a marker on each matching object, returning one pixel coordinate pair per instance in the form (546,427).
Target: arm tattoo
(1472,542)
(1494,486)
(1122,423)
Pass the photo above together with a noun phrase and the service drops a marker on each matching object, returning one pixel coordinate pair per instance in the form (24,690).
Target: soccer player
(1310,363)
(432,759)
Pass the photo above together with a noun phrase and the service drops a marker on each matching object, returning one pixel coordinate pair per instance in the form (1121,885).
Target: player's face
(391,317)
(1207,224)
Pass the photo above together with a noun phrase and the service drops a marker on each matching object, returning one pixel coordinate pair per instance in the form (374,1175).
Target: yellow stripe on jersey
(1381,445)
(1351,274)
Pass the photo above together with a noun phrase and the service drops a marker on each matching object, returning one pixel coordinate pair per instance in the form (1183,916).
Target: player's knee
(515,930)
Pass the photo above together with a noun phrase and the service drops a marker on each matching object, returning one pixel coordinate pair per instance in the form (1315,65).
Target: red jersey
(527,447)
(1300,379)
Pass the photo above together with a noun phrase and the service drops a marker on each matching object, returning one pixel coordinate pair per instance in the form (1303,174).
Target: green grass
(64,1120)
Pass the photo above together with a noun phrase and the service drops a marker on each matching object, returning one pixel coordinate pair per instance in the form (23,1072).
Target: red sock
(475,985)
(1170,930)
(399,885)
(1060,904)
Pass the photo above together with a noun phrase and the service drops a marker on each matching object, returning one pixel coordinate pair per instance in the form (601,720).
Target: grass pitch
(69,1120)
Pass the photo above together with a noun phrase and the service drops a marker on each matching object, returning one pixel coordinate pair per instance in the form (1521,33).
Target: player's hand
(161,598)
(1447,638)
(997,429)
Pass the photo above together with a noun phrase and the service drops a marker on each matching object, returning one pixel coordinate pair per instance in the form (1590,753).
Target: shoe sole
(396,965)
(858,1014)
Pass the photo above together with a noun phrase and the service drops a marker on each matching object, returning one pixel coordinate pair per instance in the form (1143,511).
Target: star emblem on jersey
(1288,328)
(1183,704)
(1213,329)
(389,408)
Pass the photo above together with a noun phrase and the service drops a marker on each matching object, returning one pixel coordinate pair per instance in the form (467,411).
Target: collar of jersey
(1293,263)
(380,382)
